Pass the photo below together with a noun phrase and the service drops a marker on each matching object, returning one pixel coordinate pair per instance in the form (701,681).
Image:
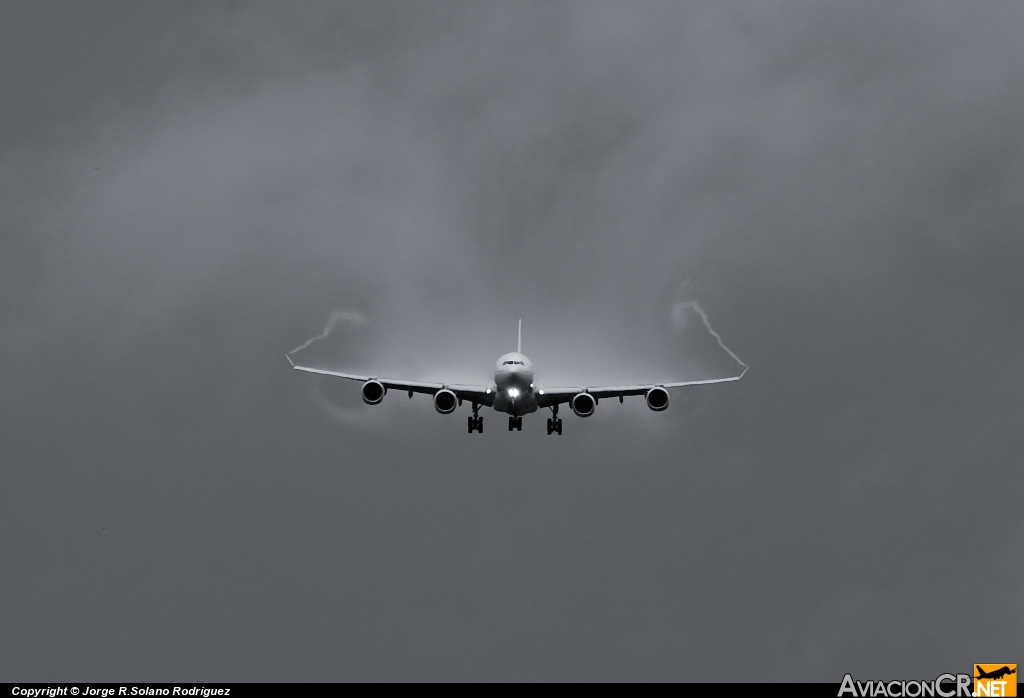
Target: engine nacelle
(445,401)
(657,399)
(373,392)
(583,404)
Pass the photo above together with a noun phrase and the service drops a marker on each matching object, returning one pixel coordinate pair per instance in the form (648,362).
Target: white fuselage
(513,382)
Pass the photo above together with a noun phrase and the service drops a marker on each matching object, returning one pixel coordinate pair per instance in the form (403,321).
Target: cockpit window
(517,363)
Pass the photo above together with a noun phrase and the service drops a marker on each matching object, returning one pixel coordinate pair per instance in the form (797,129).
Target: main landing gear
(476,422)
(554,423)
(515,423)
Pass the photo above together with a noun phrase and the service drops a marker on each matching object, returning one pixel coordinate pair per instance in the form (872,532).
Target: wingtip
(288,356)
(745,369)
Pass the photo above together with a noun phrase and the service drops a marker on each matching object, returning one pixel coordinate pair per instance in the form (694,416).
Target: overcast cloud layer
(189,191)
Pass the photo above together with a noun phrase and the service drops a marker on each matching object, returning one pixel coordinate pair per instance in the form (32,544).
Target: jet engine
(445,401)
(657,399)
(373,392)
(583,404)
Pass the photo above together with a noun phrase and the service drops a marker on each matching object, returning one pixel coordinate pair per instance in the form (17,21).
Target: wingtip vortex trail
(335,317)
(718,338)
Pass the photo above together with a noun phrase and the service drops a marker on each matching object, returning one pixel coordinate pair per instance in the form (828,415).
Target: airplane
(994,674)
(514,392)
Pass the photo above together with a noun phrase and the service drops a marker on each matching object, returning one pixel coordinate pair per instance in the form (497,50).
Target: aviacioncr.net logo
(945,686)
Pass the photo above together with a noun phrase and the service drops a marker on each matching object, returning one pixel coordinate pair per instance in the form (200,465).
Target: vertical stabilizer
(519,342)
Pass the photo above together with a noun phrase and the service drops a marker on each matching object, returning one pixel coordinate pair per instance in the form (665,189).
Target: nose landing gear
(515,423)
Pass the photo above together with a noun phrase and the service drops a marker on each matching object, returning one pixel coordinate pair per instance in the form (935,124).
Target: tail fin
(519,343)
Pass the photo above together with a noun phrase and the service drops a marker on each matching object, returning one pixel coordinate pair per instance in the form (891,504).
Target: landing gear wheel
(476,423)
(515,423)
(554,423)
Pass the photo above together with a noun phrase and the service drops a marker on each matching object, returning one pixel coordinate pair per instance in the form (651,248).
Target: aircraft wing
(480,394)
(556,396)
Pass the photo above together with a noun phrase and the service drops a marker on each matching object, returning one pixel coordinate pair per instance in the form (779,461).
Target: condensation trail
(336,317)
(342,415)
(346,416)
(704,316)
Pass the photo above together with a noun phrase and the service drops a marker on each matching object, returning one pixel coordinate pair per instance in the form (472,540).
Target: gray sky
(187,191)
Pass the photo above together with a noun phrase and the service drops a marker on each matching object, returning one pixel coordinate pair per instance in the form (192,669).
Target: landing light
(513,392)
